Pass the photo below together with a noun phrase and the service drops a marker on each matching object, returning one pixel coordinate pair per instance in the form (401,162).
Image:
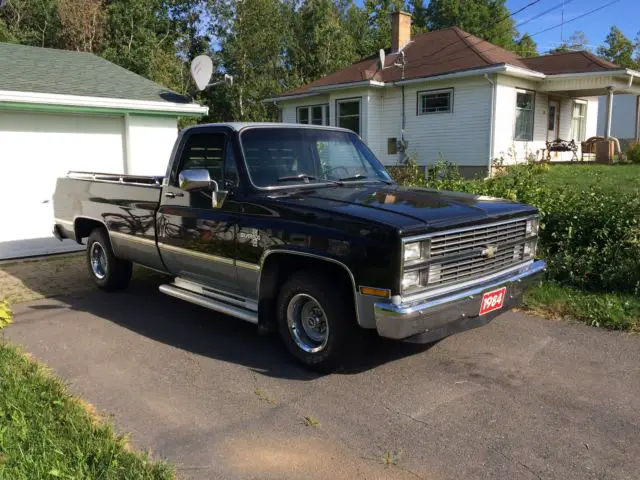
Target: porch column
(607,118)
(638,118)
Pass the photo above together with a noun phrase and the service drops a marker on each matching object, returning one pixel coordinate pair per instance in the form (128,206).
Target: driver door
(196,240)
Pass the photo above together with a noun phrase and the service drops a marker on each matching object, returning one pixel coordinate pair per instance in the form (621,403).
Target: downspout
(491,120)
(404,153)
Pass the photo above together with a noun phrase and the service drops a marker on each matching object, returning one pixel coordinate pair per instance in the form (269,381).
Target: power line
(542,14)
(576,18)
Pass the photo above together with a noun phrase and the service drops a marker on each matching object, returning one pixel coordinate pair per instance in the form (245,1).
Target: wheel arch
(83,226)
(275,267)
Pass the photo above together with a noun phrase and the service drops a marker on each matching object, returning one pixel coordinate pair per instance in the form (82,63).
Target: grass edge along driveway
(47,433)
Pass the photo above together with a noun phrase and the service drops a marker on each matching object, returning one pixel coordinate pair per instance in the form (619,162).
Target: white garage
(62,111)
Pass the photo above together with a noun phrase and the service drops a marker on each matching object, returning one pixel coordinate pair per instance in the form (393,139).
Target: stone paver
(42,277)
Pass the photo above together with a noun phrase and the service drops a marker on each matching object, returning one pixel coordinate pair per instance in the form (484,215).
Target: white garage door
(35,149)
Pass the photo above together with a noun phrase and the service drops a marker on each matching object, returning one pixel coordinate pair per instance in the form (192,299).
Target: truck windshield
(292,156)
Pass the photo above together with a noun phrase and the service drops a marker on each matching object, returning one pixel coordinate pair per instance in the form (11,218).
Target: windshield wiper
(360,176)
(357,176)
(300,176)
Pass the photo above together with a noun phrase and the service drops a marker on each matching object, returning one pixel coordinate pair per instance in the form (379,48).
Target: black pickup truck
(301,228)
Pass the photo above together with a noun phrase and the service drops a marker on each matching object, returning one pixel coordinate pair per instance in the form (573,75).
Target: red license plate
(492,300)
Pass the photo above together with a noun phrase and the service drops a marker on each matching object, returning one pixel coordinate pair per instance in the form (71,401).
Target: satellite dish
(228,79)
(201,70)
(382,58)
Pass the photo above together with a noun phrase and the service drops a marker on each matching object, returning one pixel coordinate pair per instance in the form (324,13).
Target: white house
(625,122)
(451,95)
(61,111)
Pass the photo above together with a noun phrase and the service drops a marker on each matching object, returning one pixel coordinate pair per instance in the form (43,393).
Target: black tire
(339,314)
(113,273)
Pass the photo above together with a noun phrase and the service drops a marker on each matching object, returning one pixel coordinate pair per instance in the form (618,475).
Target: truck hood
(407,208)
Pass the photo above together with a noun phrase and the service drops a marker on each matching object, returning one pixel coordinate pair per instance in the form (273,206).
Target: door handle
(173,195)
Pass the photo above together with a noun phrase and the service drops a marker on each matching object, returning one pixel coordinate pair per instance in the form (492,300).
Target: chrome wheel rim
(307,323)
(98,259)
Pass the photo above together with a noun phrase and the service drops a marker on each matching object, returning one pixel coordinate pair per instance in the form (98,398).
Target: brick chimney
(400,30)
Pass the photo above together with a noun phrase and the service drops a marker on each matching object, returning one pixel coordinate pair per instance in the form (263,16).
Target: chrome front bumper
(436,318)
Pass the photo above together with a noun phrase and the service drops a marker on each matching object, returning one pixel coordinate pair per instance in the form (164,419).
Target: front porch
(577,88)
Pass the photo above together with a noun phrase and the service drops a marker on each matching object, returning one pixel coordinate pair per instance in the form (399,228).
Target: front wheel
(316,321)
(107,271)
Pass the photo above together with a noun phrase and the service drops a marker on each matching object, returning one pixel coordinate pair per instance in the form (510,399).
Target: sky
(625,14)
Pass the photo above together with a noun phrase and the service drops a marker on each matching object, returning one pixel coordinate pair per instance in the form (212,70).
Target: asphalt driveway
(520,398)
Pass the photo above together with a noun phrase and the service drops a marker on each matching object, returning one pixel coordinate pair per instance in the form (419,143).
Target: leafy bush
(590,238)
(633,153)
(5,314)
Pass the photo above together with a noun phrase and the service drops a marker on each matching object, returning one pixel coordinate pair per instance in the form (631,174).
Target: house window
(579,121)
(524,116)
(348,114)
(314,115)
(435,101)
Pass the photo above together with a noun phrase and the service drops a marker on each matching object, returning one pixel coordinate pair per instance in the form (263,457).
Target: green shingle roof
(45,70)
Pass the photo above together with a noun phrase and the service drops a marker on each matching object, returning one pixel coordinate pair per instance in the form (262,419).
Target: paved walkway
(522,398)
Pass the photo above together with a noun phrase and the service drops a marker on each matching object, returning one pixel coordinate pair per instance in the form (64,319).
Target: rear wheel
(106,270)
(316,320)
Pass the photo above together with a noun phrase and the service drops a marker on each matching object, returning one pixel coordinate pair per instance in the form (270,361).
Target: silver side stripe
(186,251)
(250,266)
(133,238)
(68,223)
(193,253)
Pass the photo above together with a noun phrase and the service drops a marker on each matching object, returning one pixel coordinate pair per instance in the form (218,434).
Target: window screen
(349,115)
(579,121)
(435,102)
(524,116)
(205,150)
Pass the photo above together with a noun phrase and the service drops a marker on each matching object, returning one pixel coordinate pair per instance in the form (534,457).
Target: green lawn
(47,434)
(616,178)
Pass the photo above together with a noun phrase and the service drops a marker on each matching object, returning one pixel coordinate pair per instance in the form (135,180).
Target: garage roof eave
(81,104)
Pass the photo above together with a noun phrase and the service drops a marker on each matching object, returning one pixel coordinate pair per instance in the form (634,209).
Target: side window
(205,150)
(230,168)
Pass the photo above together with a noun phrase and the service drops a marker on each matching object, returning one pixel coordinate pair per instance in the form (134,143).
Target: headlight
(410,279)
(412,251)
(530,249)
(532,226)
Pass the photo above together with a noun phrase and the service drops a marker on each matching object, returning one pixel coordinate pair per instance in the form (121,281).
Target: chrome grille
(455,243)
(476,266)
(463,255)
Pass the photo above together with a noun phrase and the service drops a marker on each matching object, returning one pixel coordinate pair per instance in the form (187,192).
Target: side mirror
(195,179)
(199,180)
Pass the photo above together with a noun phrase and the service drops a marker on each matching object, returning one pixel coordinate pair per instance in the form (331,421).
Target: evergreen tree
(620,50)
(526,46)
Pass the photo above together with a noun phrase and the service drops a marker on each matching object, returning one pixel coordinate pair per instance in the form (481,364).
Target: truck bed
(125,205)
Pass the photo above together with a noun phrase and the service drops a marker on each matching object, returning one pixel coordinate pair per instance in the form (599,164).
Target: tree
(81,24)
(356,23)
(378,12)
(577,41)
(30,22)
(620,50)
(526,46)
(253,37)
(321,43)
(419,17)
(487,19)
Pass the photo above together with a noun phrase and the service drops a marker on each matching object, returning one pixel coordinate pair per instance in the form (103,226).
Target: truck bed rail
(140,180)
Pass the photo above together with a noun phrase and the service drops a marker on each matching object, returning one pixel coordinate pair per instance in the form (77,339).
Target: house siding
(505,147)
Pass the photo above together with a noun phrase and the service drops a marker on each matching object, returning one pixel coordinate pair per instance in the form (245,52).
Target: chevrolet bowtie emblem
(490,251)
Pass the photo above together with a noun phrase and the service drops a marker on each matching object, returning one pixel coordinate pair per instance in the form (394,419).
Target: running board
(218,306)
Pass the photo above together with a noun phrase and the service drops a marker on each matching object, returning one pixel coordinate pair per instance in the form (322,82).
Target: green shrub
(5,314)
(633,153)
